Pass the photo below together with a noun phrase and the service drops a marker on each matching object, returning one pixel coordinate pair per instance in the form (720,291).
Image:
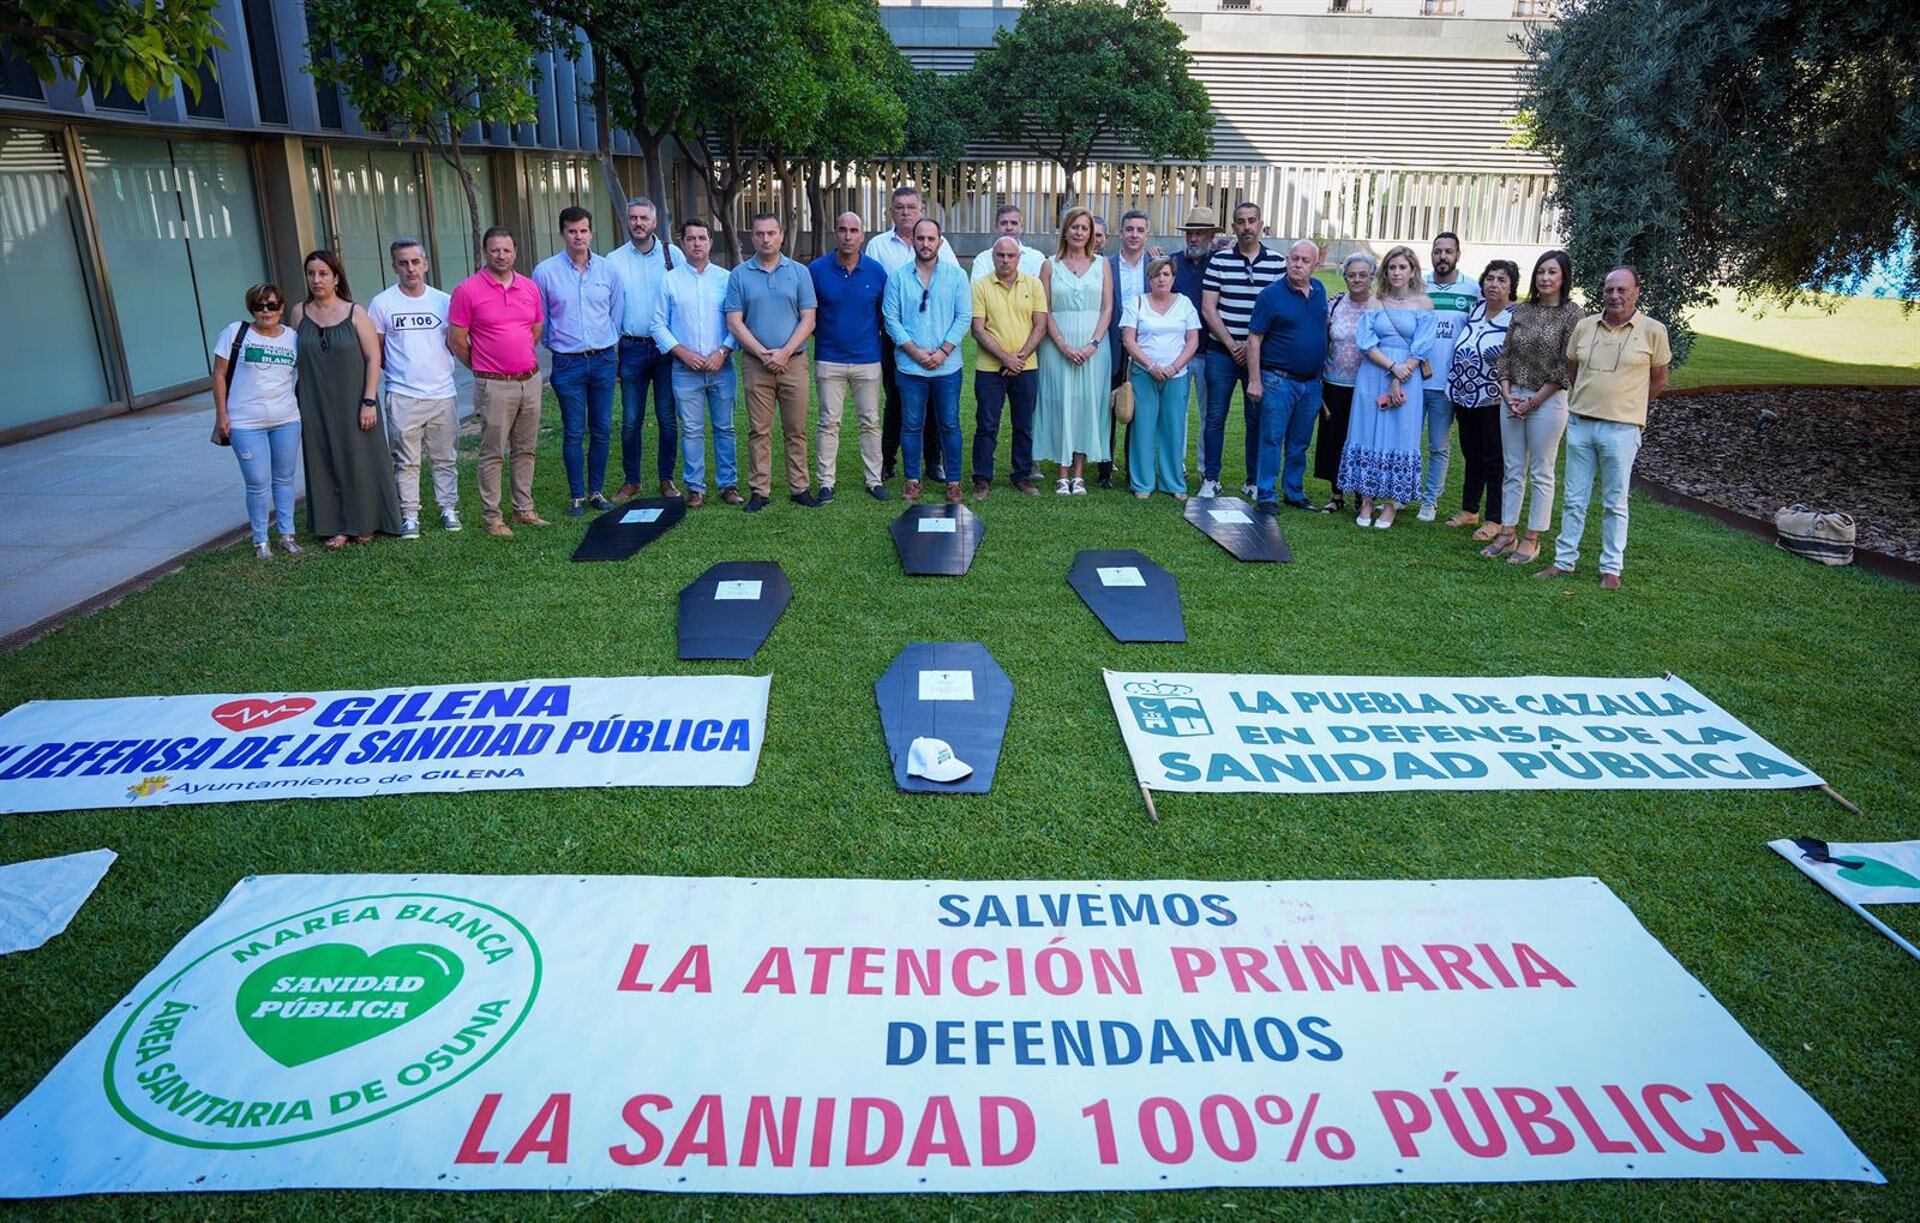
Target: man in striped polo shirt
(1233,279)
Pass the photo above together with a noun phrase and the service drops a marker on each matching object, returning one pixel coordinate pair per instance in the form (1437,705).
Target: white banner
(527,735)
(1862,872)
(816,1036)
(1299,734)
(39,898)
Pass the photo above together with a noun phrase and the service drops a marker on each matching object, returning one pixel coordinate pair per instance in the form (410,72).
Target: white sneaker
(1249,491)
(409,528)
(1428,512)
(450,518)
(1064,487)
(1209,489)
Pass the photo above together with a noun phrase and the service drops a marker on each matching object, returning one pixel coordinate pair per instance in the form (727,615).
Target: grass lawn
(1822,662)
(1864,341)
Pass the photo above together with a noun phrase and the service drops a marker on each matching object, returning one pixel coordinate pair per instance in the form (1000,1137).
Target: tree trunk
(816,193)
(450,153)
(603,122)
(653,154)
(722,187)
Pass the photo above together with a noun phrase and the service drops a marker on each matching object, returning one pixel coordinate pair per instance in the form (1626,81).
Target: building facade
(130,228)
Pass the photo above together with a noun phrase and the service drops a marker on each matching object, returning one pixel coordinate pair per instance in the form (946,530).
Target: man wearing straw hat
(1201,227)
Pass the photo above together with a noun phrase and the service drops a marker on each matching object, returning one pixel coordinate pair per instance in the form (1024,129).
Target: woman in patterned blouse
(1532,369)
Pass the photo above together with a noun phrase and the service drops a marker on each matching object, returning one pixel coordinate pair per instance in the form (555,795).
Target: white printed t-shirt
(415,360)
(1451,306)
(261,393)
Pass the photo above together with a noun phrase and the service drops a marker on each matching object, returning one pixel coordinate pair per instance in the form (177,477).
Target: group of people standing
(1065,344)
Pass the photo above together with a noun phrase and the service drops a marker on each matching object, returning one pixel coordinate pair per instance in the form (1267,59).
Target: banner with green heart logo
(801,1036)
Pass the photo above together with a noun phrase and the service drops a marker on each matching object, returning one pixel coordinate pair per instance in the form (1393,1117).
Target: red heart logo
(252,713)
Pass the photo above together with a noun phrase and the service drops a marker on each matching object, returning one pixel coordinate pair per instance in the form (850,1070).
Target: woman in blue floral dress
(1382,459)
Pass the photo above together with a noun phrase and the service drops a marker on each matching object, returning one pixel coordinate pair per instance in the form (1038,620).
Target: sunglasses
(266,307)
(924,293)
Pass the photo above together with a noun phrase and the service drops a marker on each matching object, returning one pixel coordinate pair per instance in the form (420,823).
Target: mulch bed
(1852,449)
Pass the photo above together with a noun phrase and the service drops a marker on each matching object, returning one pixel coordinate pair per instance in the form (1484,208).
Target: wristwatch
(369,403)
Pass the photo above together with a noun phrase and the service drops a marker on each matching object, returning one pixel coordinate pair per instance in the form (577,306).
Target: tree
(855,67)
(1072,72)
(940,114)
(648,53)
(427,69)
(1769,146)
(99,44)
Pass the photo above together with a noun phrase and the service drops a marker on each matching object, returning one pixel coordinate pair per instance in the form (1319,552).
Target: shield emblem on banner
(1175,716)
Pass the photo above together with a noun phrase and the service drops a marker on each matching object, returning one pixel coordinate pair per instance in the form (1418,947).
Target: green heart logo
(1873,873)
(309,1003)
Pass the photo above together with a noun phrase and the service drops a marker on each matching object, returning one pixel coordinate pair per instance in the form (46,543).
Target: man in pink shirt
(493,323)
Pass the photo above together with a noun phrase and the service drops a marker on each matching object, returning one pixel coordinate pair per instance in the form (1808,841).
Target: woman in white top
(255,410)
(1161,332)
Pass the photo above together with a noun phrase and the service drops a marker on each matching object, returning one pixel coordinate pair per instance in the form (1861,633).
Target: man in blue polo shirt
(847,286)
(1287,344)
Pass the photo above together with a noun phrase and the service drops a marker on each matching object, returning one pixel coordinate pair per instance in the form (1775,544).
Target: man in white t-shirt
(1453,298)
(411,318)
(1009,223)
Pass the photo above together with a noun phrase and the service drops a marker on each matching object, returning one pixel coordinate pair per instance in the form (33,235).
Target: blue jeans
(584,386)
(1222,374)
(268,459)
(1439,410)
(992,390)
(704,399)
(1287,411)
(1608,447)
(1157,443)
(915,393)
(644,367)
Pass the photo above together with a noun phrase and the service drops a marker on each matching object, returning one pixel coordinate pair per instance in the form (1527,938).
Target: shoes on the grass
(879,492)
(755,504)
(1209,489)
(410,528)
(449,518)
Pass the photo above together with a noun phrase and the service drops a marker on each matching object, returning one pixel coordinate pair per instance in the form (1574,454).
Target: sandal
(1463,519)
(1488,530)
(363,539)
(1064,487)
(336,542)
(1527,552)
(1501,545)
(1079,487)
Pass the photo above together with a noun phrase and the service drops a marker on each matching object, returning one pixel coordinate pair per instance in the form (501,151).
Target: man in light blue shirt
(928,309)
(641,263)
(690,328)
(584,303)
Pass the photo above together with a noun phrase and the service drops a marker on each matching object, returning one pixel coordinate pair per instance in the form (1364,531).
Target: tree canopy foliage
(142,48)
(1770,146)
(1071,72)
(428,69)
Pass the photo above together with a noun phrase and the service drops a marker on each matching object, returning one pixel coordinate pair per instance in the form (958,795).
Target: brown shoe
(1026,488)
(911,490)
(1609,581)
(953,492)
(980,490)
(628,491)
(532,520)
(501,529)
(1554,571)
(731,496)
(667,489)
(696,500)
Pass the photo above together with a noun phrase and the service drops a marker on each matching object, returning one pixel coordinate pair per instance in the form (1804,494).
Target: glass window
(223,229)
(209,105)
(52,359)
(327,96)
(376,198)
(452,227)
(16,78)
(264,51)
(180,232)
(317,197)
(136,205)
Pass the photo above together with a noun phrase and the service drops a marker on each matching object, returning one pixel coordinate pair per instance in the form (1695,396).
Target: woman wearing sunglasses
(255,411)
(350,489)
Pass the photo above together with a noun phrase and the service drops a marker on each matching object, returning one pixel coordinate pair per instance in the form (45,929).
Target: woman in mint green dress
(1070,426)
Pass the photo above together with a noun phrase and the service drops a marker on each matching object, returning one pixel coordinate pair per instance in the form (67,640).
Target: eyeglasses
(266,307)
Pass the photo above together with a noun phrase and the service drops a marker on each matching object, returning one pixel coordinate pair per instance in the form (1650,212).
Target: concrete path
(90,514)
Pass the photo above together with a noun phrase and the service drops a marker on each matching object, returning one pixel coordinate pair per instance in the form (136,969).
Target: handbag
(233,357)
(1822,535)
(1122,403)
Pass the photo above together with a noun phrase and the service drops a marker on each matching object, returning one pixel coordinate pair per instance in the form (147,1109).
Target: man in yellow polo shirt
(1009,317)
(1616,365)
